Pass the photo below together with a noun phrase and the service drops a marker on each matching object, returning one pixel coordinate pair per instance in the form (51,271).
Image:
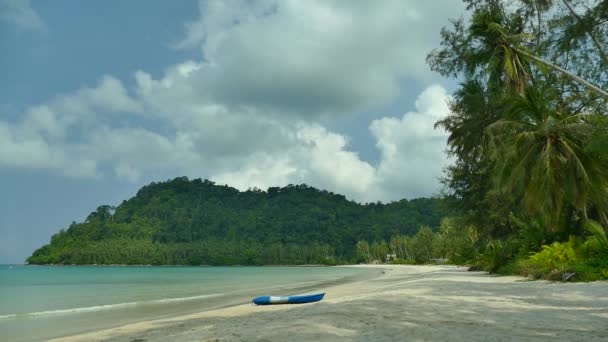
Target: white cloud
(412,150)
(224,118)
(412,157)
(36,152)
(313,57)
(260,170)
(21,14)
(316,157)
(41,138)
(243,149)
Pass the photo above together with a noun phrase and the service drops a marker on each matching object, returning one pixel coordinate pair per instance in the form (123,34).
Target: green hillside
(197,222)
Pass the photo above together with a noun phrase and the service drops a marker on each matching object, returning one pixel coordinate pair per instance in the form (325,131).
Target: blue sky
(79,42)
(102,97)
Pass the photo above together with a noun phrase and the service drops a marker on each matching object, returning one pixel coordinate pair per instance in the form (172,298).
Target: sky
(102,97)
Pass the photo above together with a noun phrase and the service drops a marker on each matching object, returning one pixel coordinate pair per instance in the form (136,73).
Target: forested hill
(197,222)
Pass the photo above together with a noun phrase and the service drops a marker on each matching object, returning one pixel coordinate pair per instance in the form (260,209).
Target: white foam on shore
(106,307)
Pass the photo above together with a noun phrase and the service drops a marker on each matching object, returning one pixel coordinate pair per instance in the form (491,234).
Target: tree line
(196,222)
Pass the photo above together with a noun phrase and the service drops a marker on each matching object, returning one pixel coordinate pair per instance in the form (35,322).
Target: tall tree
(540,153)
(527,121)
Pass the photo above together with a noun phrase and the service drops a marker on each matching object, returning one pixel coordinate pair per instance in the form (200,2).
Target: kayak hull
(269,300)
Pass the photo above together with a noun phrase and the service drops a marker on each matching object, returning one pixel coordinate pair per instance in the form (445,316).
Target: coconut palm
(482,51)
(540,153)
(495,36)
(585,25)
(515,56)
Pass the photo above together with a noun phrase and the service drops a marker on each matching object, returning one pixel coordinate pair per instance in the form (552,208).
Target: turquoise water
(38,302)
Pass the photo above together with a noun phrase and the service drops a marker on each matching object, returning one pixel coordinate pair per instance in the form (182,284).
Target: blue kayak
(267,300)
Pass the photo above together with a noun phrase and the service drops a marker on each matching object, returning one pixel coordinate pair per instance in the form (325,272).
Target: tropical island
(183,222)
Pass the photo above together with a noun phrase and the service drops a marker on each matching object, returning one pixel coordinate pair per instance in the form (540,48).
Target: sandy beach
(405,303)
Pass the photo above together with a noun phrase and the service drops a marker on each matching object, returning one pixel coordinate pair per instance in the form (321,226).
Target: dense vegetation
(197,222)
(529,133)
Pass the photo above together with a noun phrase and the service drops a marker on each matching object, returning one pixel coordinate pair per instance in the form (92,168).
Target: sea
(42,302)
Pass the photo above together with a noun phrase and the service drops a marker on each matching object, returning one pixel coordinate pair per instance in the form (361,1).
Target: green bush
(532,268)
(556,256)
(510,268)
(566,257)
(403,261)
(597,243)
(591,269)
(550,263)
(496,255)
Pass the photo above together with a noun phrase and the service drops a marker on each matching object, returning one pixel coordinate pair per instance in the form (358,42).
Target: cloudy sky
(101,97)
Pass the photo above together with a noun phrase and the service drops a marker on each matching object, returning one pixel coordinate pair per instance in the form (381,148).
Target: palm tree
(540,153)
(515,55)
(482,51)
(523,52)
(495,36)
(585,25)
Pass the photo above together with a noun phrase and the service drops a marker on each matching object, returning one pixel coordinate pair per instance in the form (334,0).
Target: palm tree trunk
(585,216)
(565,72)
(538,18)
(589,33)
(604,219)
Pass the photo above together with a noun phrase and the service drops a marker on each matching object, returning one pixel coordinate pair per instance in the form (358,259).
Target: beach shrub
(556,256)
(531,268)
(595,268)
(512,267)
(398,261)
(597,243)
(554,261)
(496,255)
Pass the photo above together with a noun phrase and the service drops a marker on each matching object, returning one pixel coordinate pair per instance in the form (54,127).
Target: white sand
(407,303)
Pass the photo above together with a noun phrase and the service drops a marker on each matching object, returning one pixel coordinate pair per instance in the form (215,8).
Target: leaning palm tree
(515,55)
(540,154)
(494,37)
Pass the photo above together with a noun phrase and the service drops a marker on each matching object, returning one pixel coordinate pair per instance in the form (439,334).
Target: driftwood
(567,275)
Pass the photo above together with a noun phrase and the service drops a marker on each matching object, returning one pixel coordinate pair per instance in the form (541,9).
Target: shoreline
(203,290)
(227,310)
(150,265)
(419,302)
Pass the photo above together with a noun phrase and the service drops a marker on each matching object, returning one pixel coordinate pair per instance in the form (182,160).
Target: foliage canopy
(198,222)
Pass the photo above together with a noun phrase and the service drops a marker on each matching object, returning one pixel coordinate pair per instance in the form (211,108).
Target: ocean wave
(106,306)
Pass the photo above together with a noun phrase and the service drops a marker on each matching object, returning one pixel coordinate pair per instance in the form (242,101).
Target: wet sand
(406,303)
